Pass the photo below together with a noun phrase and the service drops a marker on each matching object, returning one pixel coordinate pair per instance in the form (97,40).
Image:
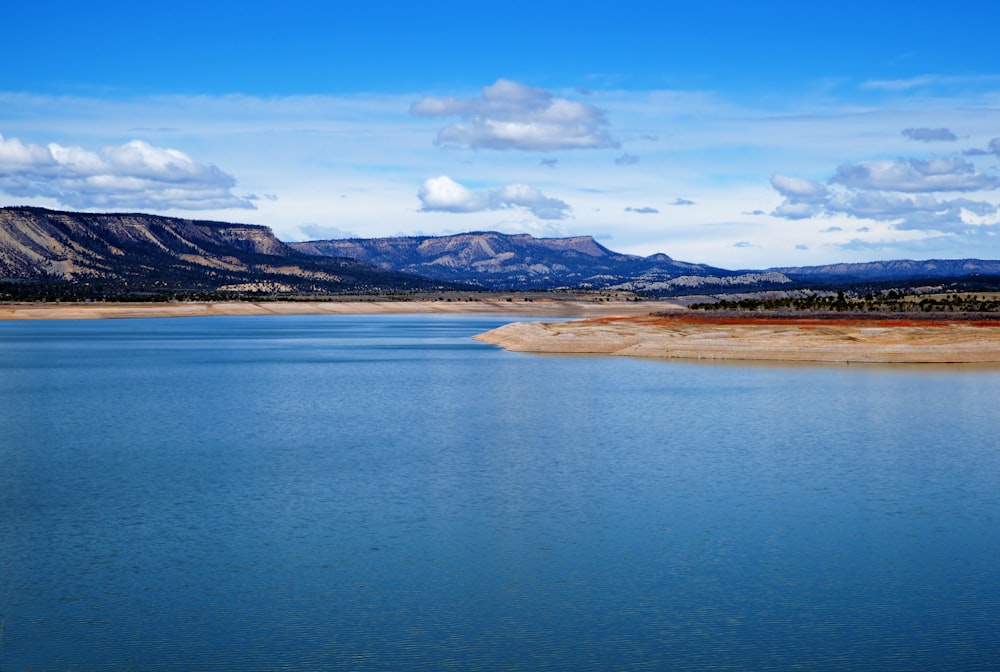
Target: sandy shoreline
(535,307)
(620,328)
(788,340)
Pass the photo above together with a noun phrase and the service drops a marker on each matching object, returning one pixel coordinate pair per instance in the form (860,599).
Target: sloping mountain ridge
(500,261)
(137,253)
(898,269)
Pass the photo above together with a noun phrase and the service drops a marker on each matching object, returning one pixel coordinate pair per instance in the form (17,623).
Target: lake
(383,493)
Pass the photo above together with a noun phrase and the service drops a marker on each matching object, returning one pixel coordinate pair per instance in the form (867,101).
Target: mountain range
(83,255)
(87,255)
(498,261)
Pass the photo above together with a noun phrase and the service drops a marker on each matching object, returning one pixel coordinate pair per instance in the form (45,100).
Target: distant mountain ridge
(493,260)
(898,269)
(500,261)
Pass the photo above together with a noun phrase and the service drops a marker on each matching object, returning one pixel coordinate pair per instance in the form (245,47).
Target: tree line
(891,301)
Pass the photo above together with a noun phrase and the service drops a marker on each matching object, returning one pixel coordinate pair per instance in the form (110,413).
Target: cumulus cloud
(915,175)
(908,193)
(682,201)
(133,175)
(799,189)
(443,194)
(930,134)
(803,198)
(921,211)
(549,163)
(791,210)
(510,115)
(627,160)
(643,211)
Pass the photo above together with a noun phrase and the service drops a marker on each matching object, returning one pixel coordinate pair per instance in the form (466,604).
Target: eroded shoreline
(572,307)
(683,336)
(623,328)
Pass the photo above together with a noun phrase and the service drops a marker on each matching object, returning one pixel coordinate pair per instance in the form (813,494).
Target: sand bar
(681,336)
(576,307)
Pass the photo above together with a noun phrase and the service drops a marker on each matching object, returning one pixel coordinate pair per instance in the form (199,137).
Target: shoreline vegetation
(879,303)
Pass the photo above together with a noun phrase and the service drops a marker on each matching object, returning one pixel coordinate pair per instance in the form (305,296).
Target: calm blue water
(381,492)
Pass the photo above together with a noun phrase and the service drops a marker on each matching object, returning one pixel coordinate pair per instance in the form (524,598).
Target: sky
(728,133)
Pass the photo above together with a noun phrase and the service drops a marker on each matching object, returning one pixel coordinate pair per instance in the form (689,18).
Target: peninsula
(680,335)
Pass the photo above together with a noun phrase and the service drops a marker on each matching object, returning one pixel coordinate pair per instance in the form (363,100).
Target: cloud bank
(915,176)
(133,175)
(509,115)
(443,194)
(905,192)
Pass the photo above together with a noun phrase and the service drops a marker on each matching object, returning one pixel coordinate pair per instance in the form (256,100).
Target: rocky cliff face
(136,253)
(37,242)
(500,261)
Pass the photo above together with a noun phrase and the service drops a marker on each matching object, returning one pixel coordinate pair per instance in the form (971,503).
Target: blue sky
(717,132)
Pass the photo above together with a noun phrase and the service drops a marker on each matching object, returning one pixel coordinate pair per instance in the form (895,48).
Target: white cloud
(510,115)
(903,193)
(15,155)
(799,189)
(321,232)
(930,134)
(791,210)
(928,81)
(133,175)
(643,211)
(915,175)
(627,160)
(443,194)
(903,84)
(912,212)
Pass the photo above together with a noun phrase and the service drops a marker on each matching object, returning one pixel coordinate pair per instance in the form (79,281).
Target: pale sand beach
(575,307)
(657,329)
(791,340)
